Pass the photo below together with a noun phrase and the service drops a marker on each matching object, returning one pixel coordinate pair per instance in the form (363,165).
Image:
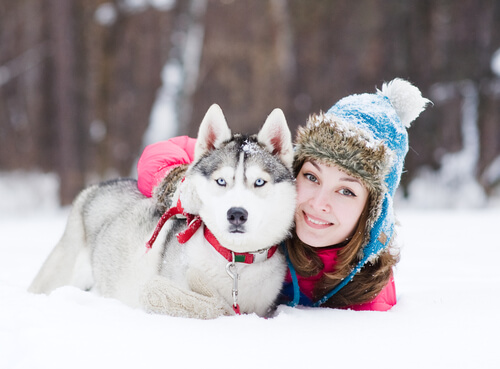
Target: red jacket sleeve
(158,159)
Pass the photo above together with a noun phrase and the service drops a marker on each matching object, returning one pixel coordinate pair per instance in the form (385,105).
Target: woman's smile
(316,222)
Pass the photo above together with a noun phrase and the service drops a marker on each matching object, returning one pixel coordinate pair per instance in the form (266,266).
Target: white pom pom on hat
(405,98)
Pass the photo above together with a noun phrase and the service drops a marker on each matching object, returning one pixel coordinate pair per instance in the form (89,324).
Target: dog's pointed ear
(276,136)
(213,131)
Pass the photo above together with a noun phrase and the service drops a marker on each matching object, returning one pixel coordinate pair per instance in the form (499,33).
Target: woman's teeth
(317,221)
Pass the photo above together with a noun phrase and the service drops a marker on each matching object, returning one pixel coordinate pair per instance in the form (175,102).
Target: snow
(495,63)
(141,5)
(21,192)
(250,148)
(447,315)
(106,14)
(163,122)
(492,172)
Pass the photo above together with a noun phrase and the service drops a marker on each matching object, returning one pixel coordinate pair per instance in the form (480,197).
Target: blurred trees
(78,79)
(77,93)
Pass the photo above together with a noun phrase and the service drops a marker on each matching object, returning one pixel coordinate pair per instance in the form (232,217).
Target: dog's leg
(69,262)
(161,296)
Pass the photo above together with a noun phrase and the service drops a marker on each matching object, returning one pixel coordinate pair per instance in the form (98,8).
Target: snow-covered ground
(448,284)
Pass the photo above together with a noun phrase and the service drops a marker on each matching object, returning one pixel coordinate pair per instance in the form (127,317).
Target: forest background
(86,84)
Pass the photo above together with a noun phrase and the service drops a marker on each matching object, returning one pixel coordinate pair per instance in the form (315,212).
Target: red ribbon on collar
(239,257)
(194,223)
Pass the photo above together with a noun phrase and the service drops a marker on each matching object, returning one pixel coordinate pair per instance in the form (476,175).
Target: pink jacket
(159,158)
(385,300)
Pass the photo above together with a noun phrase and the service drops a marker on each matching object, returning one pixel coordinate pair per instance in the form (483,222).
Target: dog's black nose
(237,216)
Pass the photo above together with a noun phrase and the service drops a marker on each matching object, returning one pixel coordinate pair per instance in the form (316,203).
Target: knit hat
(366,136)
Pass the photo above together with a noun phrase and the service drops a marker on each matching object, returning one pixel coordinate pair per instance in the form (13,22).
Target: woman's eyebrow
(315,165)
(345,179)
(351,179)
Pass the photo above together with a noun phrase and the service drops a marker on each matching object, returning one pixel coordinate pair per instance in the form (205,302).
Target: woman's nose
(321,201)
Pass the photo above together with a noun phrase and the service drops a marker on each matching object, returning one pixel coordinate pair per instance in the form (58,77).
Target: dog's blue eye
(221,182)
(260,182)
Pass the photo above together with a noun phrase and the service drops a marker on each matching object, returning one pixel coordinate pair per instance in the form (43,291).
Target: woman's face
(329,204)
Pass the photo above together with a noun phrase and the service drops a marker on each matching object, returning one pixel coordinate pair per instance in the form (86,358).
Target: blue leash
(325,298)
(295,282)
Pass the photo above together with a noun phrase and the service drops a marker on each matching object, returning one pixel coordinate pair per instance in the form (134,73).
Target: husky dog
(239,200)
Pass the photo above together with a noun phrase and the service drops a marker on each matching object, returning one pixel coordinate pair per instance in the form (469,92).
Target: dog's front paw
(161,296)
(197,285)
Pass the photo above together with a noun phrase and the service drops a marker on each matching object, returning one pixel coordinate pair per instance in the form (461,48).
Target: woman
(348,164)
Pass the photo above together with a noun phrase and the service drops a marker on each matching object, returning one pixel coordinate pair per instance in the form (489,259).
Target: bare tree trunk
(64,85)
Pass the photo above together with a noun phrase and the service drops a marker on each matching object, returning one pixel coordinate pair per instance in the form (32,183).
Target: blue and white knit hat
(366,136)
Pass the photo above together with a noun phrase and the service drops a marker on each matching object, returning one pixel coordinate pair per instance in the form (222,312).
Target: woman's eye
(347,192)
(259,183)
(221,182)
(311,177)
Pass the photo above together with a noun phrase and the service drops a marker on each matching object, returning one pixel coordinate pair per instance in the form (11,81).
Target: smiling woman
(348,164)
(329,204)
